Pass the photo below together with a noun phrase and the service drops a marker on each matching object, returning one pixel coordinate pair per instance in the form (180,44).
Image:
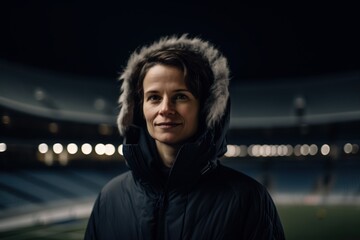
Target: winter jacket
(198,198)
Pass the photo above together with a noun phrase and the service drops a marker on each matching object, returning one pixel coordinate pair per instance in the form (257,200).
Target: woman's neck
(167,153)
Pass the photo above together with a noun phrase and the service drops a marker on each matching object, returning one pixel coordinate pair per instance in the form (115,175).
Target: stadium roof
(316,100)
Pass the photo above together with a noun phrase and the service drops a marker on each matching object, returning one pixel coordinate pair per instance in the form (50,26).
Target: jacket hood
(215,105)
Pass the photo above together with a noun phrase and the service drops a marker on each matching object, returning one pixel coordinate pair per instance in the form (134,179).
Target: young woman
(174,115)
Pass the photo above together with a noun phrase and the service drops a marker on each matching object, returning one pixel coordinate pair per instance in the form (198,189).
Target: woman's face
(170,109)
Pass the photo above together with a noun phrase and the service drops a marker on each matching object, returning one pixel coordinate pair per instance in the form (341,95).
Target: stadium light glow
(100,149)
(325,149)
(3,147)
(290,150)
(281,150)
(58,148)
(72,148)
(305,149)
(120,150)
(250,149)
(237,151)
(254,150)
(348,148)
(273,151)
(63,158)
(43,148)
(49,160)
(268,150)
(297,150)
(261,151)
(86,148)
(243,151)
(109,149)
(6,120)
(231,150)
(313,150)
(355,148)
(53,127)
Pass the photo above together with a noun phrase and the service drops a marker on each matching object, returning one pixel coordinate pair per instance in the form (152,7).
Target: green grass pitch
(299,221)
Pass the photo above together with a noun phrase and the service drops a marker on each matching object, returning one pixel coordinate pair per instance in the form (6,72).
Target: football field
(300,222)
(320,222)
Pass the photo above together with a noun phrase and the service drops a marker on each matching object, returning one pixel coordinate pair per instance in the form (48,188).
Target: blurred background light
(3,147)
(86,148)
(100,149)
(72,148)
(231,150)
(325,149)
(53,127)
(43,148)
(120,150)
(304,149)
(355,148)
(297,150)
(58,148)
(109,149)
(348,148)
(5,119)
(313,150)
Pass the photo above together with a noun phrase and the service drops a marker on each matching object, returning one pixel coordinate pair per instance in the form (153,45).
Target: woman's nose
(167,107)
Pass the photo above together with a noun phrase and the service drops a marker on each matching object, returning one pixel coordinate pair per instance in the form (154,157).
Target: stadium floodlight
(3,147)
(109,149)
(231,150)
(86,148)
(100,149)
(325,149)
(313,149)
(297,151)
(43,148)
(120,150)
(72,148)
(58,148)
(305,149)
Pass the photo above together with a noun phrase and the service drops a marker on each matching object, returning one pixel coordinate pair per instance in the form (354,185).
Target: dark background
(95,38)
(92,40)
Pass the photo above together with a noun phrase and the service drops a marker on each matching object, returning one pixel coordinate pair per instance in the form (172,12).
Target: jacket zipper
(160,202)
(160,209)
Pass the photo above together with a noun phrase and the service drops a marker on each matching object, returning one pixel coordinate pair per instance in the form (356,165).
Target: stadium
(297,134)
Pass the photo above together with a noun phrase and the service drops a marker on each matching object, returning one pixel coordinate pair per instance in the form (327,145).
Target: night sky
(95,39)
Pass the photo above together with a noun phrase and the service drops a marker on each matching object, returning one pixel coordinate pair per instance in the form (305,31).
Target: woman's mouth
(166,125)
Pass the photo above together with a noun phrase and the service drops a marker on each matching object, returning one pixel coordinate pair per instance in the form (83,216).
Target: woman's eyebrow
(177,90)
(151,91)
(182,90)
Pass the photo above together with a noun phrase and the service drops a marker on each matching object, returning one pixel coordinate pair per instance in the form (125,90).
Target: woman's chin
(168,139)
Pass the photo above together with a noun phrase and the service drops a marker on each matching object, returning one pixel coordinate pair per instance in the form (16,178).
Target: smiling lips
(167,125)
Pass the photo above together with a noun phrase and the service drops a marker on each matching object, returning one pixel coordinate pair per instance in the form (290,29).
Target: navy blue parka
(198,198)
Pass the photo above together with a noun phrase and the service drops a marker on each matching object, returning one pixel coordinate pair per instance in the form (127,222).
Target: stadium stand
(49,185)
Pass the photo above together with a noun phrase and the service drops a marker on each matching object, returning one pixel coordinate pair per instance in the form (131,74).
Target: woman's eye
(153,98)
(181,97)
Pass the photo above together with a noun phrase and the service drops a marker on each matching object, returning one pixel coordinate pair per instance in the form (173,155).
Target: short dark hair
(197,72)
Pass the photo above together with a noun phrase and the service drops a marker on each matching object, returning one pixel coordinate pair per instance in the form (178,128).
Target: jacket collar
(193,160)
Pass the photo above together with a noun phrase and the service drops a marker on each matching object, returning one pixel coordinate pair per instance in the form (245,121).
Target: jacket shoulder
(117,183)
(259,204)
(236,177)
(240,183)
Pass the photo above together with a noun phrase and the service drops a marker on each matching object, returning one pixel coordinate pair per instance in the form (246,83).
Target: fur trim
(215,105)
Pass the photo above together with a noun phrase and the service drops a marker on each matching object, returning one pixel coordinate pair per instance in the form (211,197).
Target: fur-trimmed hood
(215,105)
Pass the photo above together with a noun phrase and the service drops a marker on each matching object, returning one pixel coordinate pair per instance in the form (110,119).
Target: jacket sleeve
(263,219)
(91,232)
